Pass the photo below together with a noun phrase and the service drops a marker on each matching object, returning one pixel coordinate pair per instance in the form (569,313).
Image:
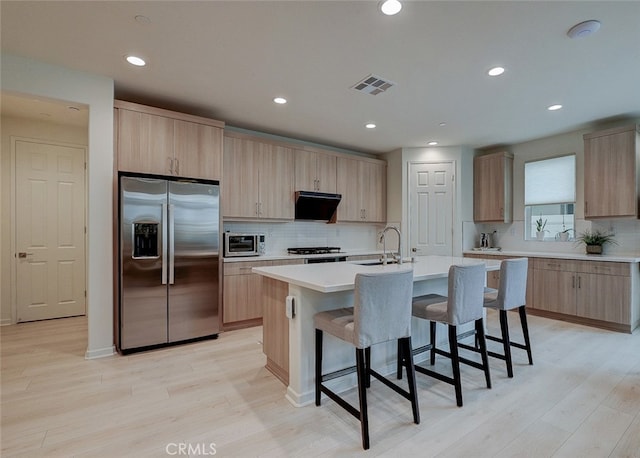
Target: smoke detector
(584,29)
(373,85)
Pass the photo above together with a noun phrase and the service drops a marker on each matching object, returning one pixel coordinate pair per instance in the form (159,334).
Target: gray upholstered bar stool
(511,294)
(463,304)
(381,312)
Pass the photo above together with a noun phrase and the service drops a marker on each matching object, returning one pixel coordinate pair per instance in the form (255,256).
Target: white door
(431,208)
(50,240)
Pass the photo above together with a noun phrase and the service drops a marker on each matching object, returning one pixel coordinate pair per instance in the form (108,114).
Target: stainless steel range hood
(317,206)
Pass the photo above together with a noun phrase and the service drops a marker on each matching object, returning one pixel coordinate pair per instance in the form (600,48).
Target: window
(549,197)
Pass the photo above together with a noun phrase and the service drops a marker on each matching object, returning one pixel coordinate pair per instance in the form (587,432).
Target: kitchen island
(294,294)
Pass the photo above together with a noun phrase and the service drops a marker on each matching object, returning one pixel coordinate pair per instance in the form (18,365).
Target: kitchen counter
(288,337)
(281,256)
(328,278)
(556,255)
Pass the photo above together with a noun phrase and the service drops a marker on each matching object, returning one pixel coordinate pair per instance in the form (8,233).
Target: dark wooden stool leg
(367,365)
(362,393)
(432,341)
(400,361)
(455,363)
(506,343)
(482,341)
(411,377)
(318,365)
(525,331)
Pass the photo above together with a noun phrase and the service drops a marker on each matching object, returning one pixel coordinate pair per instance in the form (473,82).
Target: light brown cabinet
(161,142)
(595,290)
(315,172)
(493,187)
(363,187)
(242,298)
(612,173)
(258,179)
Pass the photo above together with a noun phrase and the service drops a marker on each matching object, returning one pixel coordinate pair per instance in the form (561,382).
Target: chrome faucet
(384,245)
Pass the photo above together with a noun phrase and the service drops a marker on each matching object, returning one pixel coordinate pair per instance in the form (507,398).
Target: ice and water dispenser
(145,240)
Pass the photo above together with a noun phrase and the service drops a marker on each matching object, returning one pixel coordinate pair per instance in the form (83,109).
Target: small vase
(594,249)
(540,235)
(564,236)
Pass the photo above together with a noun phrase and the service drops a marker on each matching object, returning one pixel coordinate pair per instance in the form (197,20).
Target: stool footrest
(341,402)
(391,385)
(513,344)
(434,374)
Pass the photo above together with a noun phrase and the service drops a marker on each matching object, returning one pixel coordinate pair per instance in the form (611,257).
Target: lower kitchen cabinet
(242,297)
(590,292)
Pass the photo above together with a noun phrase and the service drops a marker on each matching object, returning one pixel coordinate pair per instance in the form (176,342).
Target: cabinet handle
(586,207)
(256,211)
(177,167)
(579,286)
(502,212)
(170,165)
(260,209)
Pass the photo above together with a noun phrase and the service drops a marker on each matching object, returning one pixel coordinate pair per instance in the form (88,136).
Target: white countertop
(556,255)
(340,276)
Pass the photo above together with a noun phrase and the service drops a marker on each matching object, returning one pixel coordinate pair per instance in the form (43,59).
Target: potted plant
(540,225)
(563,235)
(594,240)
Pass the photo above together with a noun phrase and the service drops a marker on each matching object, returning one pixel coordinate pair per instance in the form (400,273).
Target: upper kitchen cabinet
(315,171)
(612,173)
(362,184)
(493,187)
(161,142)
(258,179)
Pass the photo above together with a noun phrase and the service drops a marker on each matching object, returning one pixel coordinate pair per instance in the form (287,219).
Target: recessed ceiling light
(584,29)
(391,7)
(72,108)
(432,143)
(554,107)
(280,100)
(137,61)
(370,126)
(140,19)
(442,124)
(496,71)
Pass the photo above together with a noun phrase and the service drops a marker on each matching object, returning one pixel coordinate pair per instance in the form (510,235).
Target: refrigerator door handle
(164,244)
(171,244)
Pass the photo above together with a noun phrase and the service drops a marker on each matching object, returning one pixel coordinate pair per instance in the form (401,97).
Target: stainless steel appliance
(333,254)
(169,261)
(243,244)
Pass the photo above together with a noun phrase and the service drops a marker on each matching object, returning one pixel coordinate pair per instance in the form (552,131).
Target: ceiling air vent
(373,85)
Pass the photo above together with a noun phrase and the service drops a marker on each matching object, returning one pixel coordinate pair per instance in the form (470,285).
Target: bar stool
(462,305)
(381,312)
(511,294)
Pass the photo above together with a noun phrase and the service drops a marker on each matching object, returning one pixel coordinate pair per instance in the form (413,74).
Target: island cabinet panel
(315,171)
(242,296)
(161,142)
(362,184)
(612,173)
(590,292)
(258,179)
(276,340)
(493,187)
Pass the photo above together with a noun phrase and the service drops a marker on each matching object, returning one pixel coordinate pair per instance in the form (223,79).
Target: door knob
(414,250)
(22,254)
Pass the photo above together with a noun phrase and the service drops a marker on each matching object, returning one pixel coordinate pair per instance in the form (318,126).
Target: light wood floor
(580,399)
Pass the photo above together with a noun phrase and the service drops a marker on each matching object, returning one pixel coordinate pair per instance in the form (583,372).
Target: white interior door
(431,208)
(50,240)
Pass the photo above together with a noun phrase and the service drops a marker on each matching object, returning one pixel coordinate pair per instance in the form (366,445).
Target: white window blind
(550,181)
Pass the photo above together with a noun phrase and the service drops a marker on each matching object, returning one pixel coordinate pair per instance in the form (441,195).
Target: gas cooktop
(314,250)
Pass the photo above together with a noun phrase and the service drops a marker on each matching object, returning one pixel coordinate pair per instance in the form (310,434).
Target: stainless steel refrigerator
(169,280)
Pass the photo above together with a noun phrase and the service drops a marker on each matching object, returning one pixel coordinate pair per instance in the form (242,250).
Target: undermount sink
(376,263)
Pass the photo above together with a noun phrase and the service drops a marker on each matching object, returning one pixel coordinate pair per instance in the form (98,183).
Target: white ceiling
(227,60)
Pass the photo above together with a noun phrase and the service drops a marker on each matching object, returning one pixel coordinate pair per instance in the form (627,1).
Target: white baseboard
(100,353)
(6,322)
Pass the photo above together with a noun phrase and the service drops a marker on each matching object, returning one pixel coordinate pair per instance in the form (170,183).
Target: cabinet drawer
(554,264)
(243,267)
(287,262)
(608,268)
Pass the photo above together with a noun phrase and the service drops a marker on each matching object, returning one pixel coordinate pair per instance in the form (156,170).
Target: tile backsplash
(281,236)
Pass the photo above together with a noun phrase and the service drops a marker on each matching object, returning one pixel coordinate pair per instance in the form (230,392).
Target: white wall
(29,77)
(511,236)
(25,128)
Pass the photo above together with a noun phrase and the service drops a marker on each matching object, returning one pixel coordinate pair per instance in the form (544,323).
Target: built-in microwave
(243,244)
